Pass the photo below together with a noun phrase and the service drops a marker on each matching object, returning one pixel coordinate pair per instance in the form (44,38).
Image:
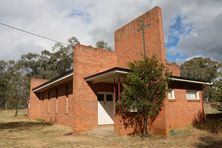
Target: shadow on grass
(209,142)
(21,126)
(214,116)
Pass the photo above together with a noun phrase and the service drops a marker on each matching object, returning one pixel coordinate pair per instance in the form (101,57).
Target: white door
(105,108)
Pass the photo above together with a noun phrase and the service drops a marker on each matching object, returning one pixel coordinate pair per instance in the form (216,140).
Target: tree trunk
(16,105)
(6,105)
(144,124)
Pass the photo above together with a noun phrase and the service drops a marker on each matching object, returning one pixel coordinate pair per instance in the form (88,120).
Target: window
(171,94)
(49,94)
(109,97)
(57,106)
(57,102)
(100,97)
(42,96)
(105,97)
(49,106)
(49,102)
(192,95)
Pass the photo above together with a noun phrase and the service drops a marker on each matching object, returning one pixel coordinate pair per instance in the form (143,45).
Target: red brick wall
(34,110)
(174,69)
(128,41)
(88,61)
(181,113)
(129,125)
(61,116)
(39,103)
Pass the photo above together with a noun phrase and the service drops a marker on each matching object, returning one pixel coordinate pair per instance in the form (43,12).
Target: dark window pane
(109,97)
(100,97)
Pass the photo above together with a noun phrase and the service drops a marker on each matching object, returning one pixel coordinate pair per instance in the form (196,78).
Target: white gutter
(53,82)
(191,81)
(125,72)
(106,74)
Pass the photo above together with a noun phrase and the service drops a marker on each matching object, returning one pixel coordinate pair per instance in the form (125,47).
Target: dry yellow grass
(21,132)
(209,109)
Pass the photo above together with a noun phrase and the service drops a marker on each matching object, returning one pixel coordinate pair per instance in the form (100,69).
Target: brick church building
(85,97)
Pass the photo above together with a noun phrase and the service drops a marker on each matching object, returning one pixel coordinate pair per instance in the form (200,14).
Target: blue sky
(191,28)
(177,31)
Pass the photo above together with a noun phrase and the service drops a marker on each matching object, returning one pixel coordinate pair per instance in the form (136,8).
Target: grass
(213,121)
(21,132)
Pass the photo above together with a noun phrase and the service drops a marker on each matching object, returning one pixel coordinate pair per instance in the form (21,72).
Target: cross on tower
(141,29)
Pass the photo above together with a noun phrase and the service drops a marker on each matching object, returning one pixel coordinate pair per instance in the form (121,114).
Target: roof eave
(191,81)
(91,78)
(47,84)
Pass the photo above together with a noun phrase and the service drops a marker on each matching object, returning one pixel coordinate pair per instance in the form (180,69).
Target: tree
(145,89)
(12,74)
(216,92)
(103,45)
(203,69)
(3,83)
(15,75)
(62,56)
(200,68)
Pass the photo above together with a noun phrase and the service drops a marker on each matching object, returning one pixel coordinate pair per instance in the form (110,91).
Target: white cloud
(91,20)
(205,16)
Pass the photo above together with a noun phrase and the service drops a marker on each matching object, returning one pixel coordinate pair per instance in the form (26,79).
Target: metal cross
(141,29)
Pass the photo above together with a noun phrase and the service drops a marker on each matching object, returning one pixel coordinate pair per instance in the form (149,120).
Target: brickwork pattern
(34,103)
(42,109)
(181,112)
(128,41)
(88,61)
(174,69)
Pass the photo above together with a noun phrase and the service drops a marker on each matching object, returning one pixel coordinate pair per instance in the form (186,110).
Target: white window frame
(172,91)
(57,106)
(197,95)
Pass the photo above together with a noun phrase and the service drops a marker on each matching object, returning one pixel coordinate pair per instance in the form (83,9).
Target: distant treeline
(15,76)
